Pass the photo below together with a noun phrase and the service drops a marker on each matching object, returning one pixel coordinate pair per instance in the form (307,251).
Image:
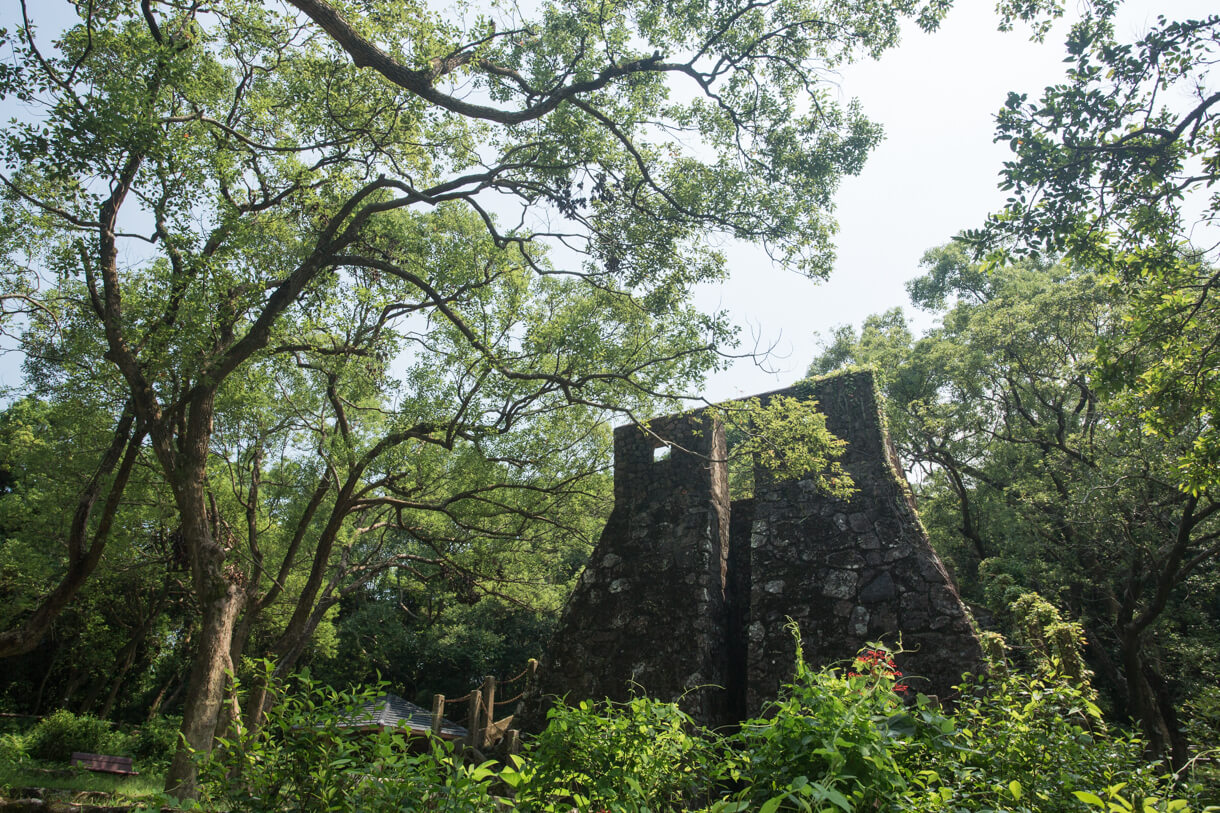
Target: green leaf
(1091,799)
(772,804)
(838,799)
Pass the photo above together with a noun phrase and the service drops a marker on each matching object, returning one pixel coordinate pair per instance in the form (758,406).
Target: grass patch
(14,778)
(36,756)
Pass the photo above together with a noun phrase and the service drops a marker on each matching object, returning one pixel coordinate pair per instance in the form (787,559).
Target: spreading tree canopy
(334,269)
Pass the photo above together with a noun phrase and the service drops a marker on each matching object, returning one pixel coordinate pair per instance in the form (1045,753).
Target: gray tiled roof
(392,711)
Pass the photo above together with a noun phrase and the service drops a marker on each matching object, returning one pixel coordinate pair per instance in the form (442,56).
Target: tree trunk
(75,678)
(137,642)
(1179,750)
(95,691)
(208,680)
(1111,678)
(46,676)
(1142,700)
(230,712)
(159,698)
(84,552)
(220,594)
(126,660)
(168,695)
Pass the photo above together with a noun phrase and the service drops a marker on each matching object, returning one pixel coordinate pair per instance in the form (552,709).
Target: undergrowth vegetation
(835,740)
(55,737)
(38,755)
(58,735)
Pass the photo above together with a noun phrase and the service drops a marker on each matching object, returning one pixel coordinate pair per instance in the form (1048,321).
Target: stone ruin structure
(687,594)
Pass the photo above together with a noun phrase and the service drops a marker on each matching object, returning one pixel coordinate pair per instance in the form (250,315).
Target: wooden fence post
(476,712)
(514,741)
(489,702)
(438,713)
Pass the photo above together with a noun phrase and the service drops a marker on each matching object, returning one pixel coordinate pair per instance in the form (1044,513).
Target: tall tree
(205,191)
(1115,168)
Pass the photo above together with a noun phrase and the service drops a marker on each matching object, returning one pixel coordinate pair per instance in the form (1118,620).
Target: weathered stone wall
(649,610)
(849,571)
(687,598)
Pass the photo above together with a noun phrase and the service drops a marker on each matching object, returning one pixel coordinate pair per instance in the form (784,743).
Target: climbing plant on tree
(207,200)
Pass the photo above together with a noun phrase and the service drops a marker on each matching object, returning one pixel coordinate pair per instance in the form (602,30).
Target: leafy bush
(12,749)
(643,754)
(1019,742)
(828,739)
(156,740)
(57,736)
(1203,726)
(307,757)
(1015,742)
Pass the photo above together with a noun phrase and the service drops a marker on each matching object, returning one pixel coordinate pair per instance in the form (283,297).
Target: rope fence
(529,669)
(520,695)
(482,728)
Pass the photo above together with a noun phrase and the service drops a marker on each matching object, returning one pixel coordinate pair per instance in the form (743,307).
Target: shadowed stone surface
(686,597)
(649,608)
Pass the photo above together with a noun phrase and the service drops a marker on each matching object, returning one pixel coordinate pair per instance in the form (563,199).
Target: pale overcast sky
(933,176)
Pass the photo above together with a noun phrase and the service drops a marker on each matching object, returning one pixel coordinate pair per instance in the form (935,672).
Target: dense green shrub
(308,757)
(829,739)
(155,741)
(58,735)
(834,740)
(1014,742)
(638,755)
(1203,727)
(1019,742)
(12,749)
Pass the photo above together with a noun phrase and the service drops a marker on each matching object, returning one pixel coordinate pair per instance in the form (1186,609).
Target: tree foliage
(1109,160)
(782,437)
(1115,167)
(1034,479)
(361,283)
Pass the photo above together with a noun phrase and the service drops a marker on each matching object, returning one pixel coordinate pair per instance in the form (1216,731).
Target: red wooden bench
(103,763)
